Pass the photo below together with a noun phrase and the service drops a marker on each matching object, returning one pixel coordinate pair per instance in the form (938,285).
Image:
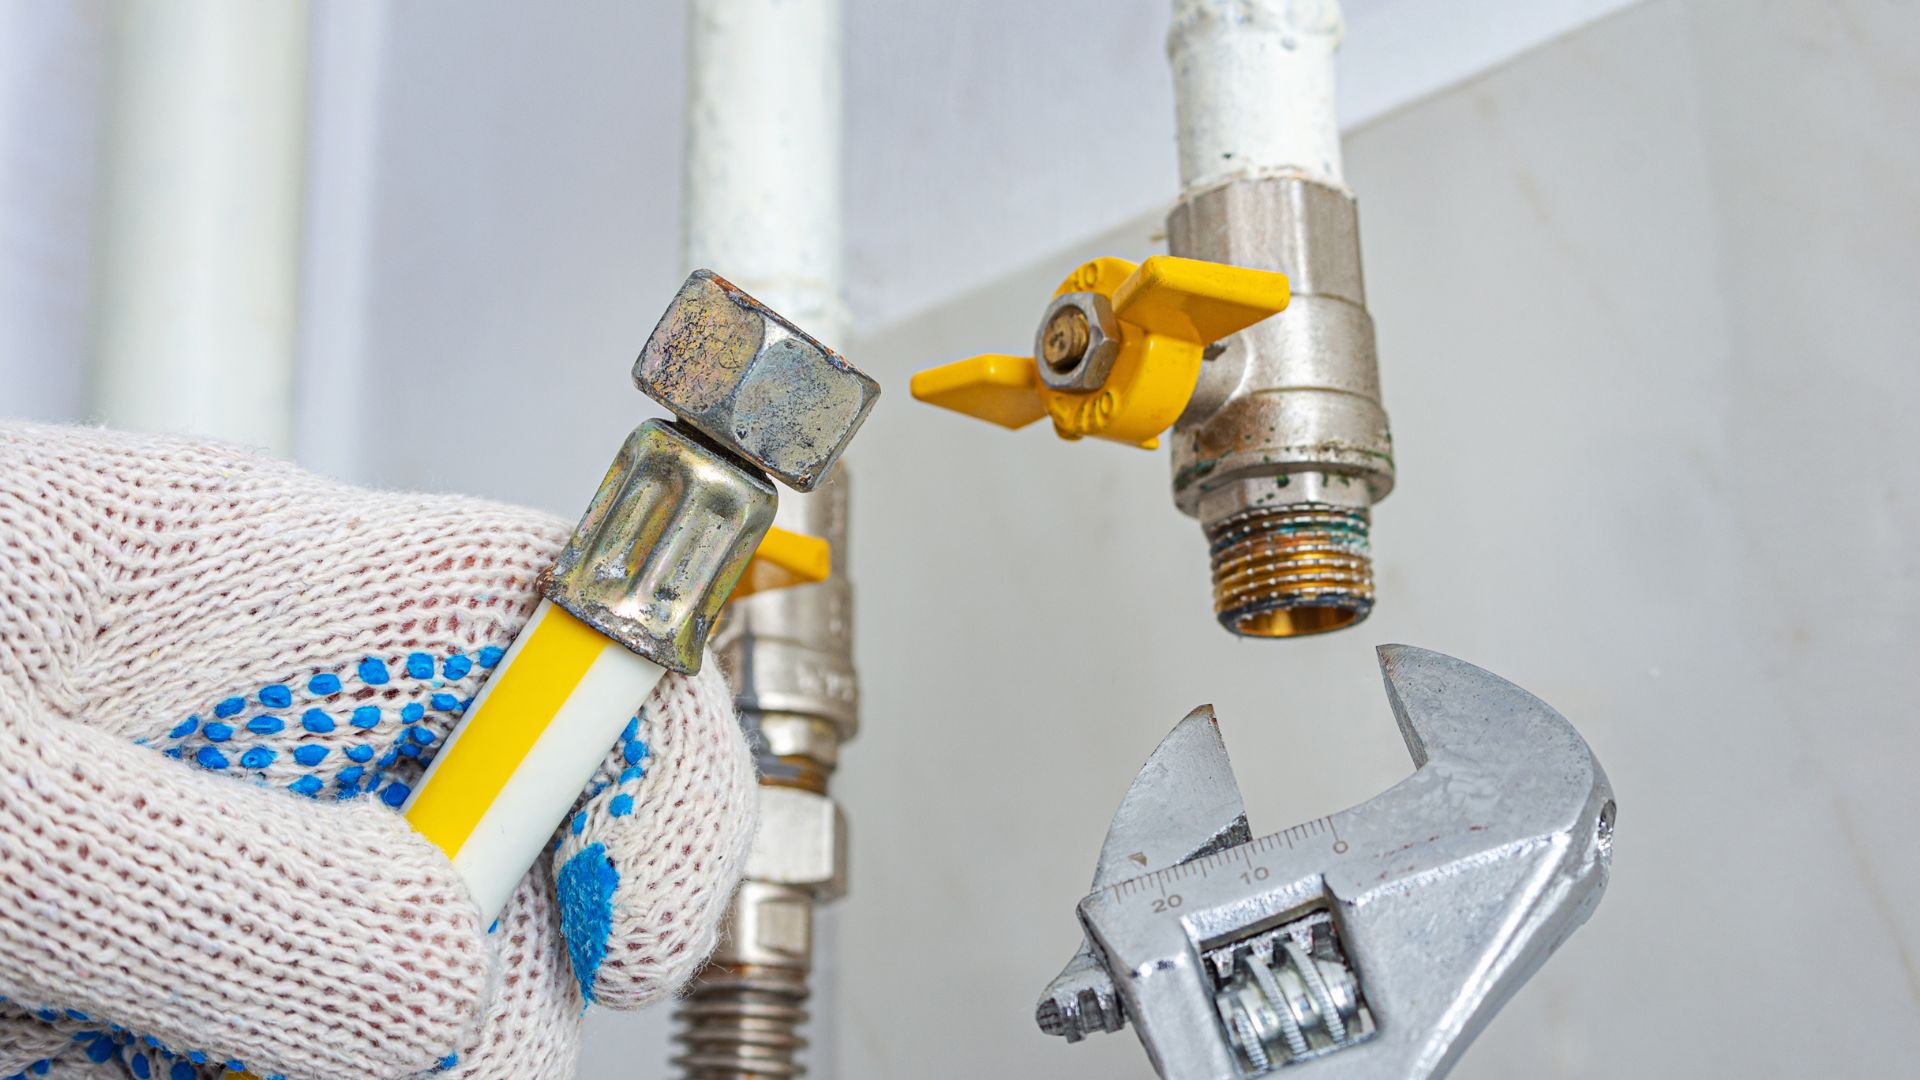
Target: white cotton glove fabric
(218,673)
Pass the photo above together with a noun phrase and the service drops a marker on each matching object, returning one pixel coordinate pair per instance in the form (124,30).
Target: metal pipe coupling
(1284,447)
(789,653)
(670,530)
(789,656)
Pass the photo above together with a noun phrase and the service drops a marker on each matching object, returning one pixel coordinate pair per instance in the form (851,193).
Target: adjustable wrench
(1372,943)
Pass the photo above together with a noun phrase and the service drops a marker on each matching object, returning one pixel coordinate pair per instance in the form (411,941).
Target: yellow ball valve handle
(785,559)
(1118,351)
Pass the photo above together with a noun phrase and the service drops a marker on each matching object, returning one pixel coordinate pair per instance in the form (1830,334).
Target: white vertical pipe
(763,154)
(349,76)
(1253,90)
(763,209)
(198,306)
(51,58)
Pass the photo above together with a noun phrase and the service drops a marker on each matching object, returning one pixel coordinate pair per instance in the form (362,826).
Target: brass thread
(1286,571)
(742,1023)
(794,771)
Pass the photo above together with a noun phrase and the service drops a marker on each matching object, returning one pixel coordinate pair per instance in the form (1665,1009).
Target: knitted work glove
(218,675)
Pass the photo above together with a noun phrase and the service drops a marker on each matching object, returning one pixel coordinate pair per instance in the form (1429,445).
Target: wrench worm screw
(1288,994)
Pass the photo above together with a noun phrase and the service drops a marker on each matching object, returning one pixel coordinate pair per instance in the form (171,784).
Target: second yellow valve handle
(1165,312)
(785,558)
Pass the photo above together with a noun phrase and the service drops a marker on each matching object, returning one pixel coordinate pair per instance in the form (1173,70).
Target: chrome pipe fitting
(1285,446)
(789,656)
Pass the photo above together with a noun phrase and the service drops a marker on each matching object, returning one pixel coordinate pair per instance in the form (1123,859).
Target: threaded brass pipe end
(1287,571)
(742,1023)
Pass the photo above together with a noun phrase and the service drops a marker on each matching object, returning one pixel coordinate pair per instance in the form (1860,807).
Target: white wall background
(1646,341)
(979,136)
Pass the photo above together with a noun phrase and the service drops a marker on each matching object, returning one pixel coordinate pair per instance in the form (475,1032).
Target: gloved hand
(218,674)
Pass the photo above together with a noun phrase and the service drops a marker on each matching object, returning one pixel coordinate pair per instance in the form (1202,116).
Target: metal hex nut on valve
(1079,357)
(802,842)
(659,549)
(753,382)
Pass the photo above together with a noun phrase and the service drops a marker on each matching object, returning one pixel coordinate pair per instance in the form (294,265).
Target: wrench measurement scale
(1371,943)
(1205,866)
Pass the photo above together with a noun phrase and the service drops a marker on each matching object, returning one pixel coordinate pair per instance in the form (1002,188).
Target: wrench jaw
(1183,804)
(1446,892)
(1527,789)
(1520,813)
(1440,953)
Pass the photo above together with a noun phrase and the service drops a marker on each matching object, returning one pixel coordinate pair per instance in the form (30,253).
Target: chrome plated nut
(802,842)
(753,382)
(789,735)
(768,925)
(661,546)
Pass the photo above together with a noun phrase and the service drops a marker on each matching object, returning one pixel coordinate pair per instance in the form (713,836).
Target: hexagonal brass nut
(802,842)
(753,382)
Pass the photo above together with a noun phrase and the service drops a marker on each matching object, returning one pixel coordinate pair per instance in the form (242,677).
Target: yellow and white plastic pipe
(545,720)
(526,747)
(517,761)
